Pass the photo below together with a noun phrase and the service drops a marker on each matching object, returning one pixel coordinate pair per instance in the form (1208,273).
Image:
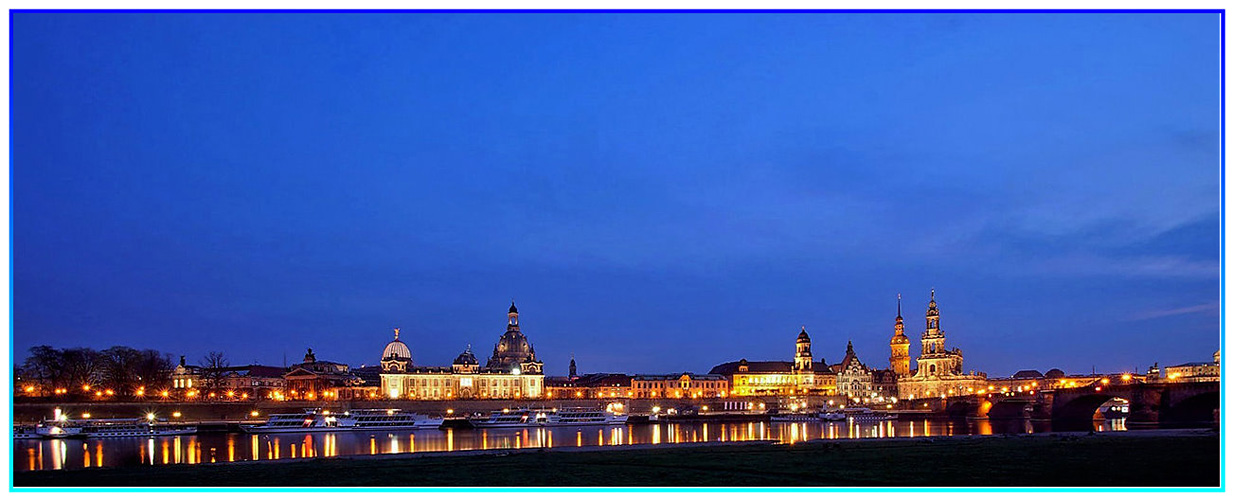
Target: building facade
(797,377)
(512,372)
(939,371)
(1195,372)
(588,386)
(852,378)
(679,385)
(313,379)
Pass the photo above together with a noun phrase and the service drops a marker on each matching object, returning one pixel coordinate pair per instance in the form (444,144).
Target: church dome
(396,350)
(466,358)
(514,345)
(900,339)
(803,336)
(1055,373)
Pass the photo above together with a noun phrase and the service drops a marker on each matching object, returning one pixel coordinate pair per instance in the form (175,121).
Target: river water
(57,454)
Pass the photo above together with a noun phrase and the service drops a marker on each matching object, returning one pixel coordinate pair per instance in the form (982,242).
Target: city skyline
(659,192)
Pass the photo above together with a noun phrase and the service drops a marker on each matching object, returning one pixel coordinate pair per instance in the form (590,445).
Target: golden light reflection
(230,448)
(98,454)
(255,448)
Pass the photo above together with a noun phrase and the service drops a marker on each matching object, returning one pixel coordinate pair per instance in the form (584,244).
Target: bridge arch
(1199,408)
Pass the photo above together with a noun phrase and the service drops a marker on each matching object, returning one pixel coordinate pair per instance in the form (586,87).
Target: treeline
(120,370)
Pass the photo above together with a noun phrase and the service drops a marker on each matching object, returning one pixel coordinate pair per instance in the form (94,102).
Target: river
(57,454)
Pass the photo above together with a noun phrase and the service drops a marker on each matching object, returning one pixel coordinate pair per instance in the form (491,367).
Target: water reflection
(61,454)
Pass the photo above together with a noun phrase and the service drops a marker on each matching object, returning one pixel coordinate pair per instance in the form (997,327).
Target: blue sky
(659,192)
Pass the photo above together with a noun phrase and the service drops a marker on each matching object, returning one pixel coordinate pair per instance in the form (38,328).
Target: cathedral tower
(933,341)
(804,358)
(900,344)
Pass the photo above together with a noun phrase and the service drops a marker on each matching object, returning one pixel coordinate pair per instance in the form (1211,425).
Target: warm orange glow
(1104,381)
(85,387)
(163,394)
(1126,377)
(254,413)
(176,414)
(231,394)
(99,393)
(85,415)
(29,388)
(211,394)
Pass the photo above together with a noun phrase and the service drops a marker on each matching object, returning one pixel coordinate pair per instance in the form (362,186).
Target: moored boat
(110,428)
(314,420)
(546,417)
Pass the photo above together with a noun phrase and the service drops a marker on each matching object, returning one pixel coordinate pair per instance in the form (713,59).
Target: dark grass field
(1126,459)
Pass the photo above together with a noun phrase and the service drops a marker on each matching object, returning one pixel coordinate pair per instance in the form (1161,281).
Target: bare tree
(120,369)
(82,368)
(154,370)
(45,365)
(214,370)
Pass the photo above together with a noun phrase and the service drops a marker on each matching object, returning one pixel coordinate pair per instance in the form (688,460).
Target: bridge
(1164,404)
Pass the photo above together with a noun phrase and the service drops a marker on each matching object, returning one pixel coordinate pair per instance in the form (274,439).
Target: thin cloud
(1177,311)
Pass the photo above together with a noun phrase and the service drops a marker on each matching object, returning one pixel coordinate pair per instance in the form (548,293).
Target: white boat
(816,416)
(355,420)
(309,421)
(865,414)
(549,418)
(389,419)
(580,417)
(519,418)
(25,432)
(110,428)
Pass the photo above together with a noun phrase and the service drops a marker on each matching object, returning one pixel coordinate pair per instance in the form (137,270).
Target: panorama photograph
(616,250)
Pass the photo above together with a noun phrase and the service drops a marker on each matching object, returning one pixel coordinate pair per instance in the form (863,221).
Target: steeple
(513,315)
(396,333)
(932,316)
(899,307)
(573,368)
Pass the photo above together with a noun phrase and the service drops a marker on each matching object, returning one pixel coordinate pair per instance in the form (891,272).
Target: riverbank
(1147,458)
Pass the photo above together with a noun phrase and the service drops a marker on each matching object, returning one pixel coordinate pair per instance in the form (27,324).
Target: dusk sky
(659,192)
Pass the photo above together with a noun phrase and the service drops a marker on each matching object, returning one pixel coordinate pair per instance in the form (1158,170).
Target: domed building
(513,351)
(397,356)
(513,372)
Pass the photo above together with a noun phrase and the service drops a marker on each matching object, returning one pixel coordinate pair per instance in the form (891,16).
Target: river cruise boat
(315,420)
(25,432)
(815,416)
(867,415)
(549,418)
(389,419)
(580,417)
(110,428)
(309,421)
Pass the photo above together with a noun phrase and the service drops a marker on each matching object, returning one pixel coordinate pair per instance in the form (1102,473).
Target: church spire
(899,307)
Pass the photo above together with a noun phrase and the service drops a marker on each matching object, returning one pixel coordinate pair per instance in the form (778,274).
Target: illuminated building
(852,378)
(939,371)
(900,344)
(679,385)
(312,379)
(588,386)
(1195,372)
(185,376)
(512,372)
(799,376)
